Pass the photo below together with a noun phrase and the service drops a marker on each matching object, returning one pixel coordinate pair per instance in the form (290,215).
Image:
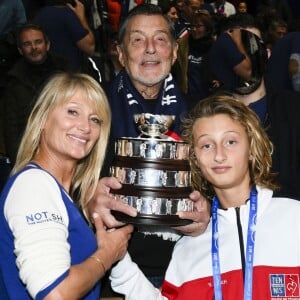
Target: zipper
(241,239)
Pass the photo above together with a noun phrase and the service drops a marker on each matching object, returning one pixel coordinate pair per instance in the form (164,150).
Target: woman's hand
(112,243)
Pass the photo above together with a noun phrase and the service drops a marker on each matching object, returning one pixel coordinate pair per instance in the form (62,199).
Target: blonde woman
(48,250)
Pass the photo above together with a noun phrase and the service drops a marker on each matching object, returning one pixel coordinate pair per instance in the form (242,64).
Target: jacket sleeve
(38,220)
(127,279)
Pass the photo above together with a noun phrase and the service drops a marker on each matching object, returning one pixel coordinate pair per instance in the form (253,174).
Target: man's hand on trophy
(200,216)
(104,202)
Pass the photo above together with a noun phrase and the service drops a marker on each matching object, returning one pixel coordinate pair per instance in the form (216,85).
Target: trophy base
(143,219)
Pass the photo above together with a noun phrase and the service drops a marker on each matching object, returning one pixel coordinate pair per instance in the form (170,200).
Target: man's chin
(36,60)
(151,81)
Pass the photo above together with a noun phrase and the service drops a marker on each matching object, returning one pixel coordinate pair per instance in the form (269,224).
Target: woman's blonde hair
(60,88)
(261,148)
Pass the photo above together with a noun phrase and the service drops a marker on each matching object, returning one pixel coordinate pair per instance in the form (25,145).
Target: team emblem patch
(284,285)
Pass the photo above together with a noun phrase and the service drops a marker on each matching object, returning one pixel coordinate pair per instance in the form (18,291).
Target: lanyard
(249,248)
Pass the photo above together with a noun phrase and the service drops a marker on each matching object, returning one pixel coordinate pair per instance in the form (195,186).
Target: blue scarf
(125,101)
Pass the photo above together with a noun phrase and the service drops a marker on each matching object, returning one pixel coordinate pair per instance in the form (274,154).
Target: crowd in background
(41,38)
(85,35)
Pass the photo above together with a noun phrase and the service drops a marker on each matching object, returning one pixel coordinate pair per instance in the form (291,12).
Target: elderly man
(147,50)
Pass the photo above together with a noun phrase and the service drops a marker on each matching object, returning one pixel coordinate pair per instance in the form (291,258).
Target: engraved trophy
(154,172)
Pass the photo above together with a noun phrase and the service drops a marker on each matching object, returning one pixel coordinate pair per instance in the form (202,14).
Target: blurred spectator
(193,6)
(12,15)
(278,110)
(179,6)
(223,8)
(294,70)
(206,6)
(186,10)
(96,12)
(172,14)
(169,9)
(114,11)
(268,9)
(112,65)
(117,11)
(230,62)
(276,29)
(283,71)
(242,7)
(68,30)
(191,67)
(25,80)
(182,25)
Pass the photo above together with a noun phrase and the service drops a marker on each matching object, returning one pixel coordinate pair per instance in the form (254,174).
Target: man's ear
(121,55)
(48,45)
(20,51)
(175,49)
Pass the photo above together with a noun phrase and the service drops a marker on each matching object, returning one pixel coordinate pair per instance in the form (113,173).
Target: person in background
(182,25)
(276,30)
(172,13)
(294,71)
(42,229)
(242,7)
(25,80)
(145,85)
(229,61)
(191,68)
(186,10)
(117,11)
(169,9)
(223,8)
(278,110)
(193,6)
(283,69)
(12,16)
(112,65)
(238,256)
(199,5)
(273,9)
(67,27)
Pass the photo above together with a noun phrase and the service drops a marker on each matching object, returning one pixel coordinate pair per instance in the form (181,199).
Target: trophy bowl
(153,125)
(154,173)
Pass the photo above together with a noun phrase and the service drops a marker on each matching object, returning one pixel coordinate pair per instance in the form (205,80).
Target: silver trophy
(153,125)
(154,172)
